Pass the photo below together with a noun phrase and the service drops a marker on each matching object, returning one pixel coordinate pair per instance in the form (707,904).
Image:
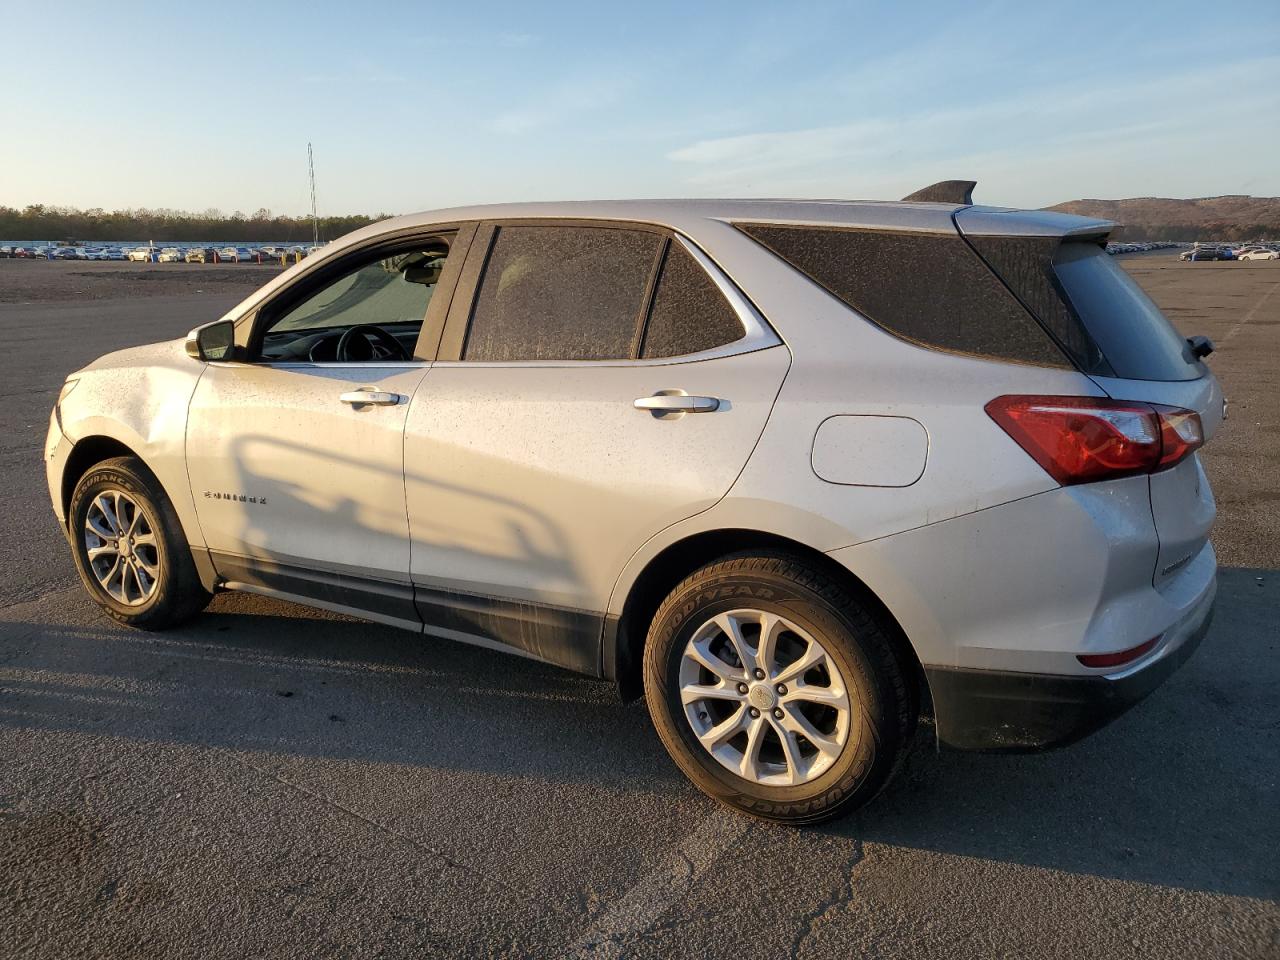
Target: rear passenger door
(531,472)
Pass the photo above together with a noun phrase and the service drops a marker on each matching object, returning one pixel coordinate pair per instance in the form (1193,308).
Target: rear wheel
(775,691)
(129,548)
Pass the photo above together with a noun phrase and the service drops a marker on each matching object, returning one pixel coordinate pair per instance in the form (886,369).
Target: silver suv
(796,472)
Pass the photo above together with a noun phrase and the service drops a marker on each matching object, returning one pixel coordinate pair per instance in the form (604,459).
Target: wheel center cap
(762,696)
(125,547)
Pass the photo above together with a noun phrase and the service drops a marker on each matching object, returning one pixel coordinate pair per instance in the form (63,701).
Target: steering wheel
(373,338)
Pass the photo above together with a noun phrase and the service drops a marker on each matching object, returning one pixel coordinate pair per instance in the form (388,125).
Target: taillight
(1181,433)
(1083,439)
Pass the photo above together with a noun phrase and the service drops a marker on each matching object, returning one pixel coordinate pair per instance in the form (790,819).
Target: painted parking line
(662,887)
(1252,311)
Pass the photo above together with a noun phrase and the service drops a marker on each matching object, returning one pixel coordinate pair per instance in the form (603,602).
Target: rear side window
(561,293)
(689,313)
(1134,336)
(930,289)
(1026,265)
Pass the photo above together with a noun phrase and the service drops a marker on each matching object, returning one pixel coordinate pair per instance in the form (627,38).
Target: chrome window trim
(738,346)
(757,334)
(343,365)
(325,364)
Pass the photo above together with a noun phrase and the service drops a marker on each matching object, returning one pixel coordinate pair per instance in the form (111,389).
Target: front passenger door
(295,453)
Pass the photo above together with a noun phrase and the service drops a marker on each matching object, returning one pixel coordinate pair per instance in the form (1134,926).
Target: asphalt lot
(276,781)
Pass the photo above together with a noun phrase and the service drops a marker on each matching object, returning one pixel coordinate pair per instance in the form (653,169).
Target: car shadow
(1180,792)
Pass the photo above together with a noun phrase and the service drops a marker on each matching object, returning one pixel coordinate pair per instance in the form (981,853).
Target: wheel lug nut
(754,713)
(782,689)
(777,712)
(742,688)
(759,674)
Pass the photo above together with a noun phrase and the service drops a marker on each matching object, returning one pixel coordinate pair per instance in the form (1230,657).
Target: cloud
(561,103)
(1073,117)
(518,41)
(786,148)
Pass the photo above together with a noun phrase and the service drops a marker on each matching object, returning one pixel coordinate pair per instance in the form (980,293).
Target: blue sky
(435,104)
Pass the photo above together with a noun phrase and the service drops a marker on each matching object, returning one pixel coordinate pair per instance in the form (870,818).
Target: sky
(419,106)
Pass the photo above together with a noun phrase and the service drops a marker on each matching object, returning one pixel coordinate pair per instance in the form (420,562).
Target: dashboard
(321,346)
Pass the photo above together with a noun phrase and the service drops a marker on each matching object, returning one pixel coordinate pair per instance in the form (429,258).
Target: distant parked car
(199,255)
(170,255)
(114,253)
(1200,254)
(141,254)
(42,253)
(6,252)
(67,253)
(1258,253)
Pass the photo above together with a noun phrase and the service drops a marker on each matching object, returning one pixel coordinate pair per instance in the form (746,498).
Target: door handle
(374,398)
(677,403)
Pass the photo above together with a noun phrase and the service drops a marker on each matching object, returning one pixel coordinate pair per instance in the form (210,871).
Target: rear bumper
(1003,711)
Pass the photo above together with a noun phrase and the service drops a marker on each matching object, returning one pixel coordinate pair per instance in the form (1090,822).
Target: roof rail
(944,191)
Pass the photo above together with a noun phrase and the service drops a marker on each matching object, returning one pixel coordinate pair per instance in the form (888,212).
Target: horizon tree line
(46,222)
(40,221)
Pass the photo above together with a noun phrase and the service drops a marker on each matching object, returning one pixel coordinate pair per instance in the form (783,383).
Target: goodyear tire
(129,549)
(776,692)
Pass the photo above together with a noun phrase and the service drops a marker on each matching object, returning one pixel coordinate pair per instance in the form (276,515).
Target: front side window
(373,312)
(562,293)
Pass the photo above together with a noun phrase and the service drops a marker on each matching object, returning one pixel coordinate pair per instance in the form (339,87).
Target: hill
(1203,218)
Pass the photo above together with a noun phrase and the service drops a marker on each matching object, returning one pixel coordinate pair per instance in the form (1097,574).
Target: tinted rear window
(1134,336)
(1026,265)
(931,289)
(689,313)
(562,293)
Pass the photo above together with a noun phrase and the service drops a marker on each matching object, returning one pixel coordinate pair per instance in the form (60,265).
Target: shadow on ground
(1180,792)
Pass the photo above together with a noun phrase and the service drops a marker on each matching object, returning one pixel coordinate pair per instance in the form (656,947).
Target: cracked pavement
(277,781)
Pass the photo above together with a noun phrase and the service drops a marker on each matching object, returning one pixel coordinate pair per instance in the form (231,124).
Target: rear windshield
(1130,331)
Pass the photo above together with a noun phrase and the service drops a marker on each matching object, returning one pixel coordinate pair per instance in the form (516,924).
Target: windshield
(1134,336)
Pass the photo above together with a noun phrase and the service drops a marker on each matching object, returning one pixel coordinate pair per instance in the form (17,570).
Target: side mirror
(1201,347)
(213,341)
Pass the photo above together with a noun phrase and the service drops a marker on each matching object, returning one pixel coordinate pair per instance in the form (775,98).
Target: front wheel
(777,692)
(129,548)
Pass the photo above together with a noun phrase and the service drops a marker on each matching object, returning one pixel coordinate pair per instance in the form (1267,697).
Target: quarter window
(689,313)
(930,289)
(562,293)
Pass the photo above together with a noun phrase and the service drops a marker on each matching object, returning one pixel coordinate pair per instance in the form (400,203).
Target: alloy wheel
(120,545)
(764,698)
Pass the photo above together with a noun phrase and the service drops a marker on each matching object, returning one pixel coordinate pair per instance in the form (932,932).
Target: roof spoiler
(944,191)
